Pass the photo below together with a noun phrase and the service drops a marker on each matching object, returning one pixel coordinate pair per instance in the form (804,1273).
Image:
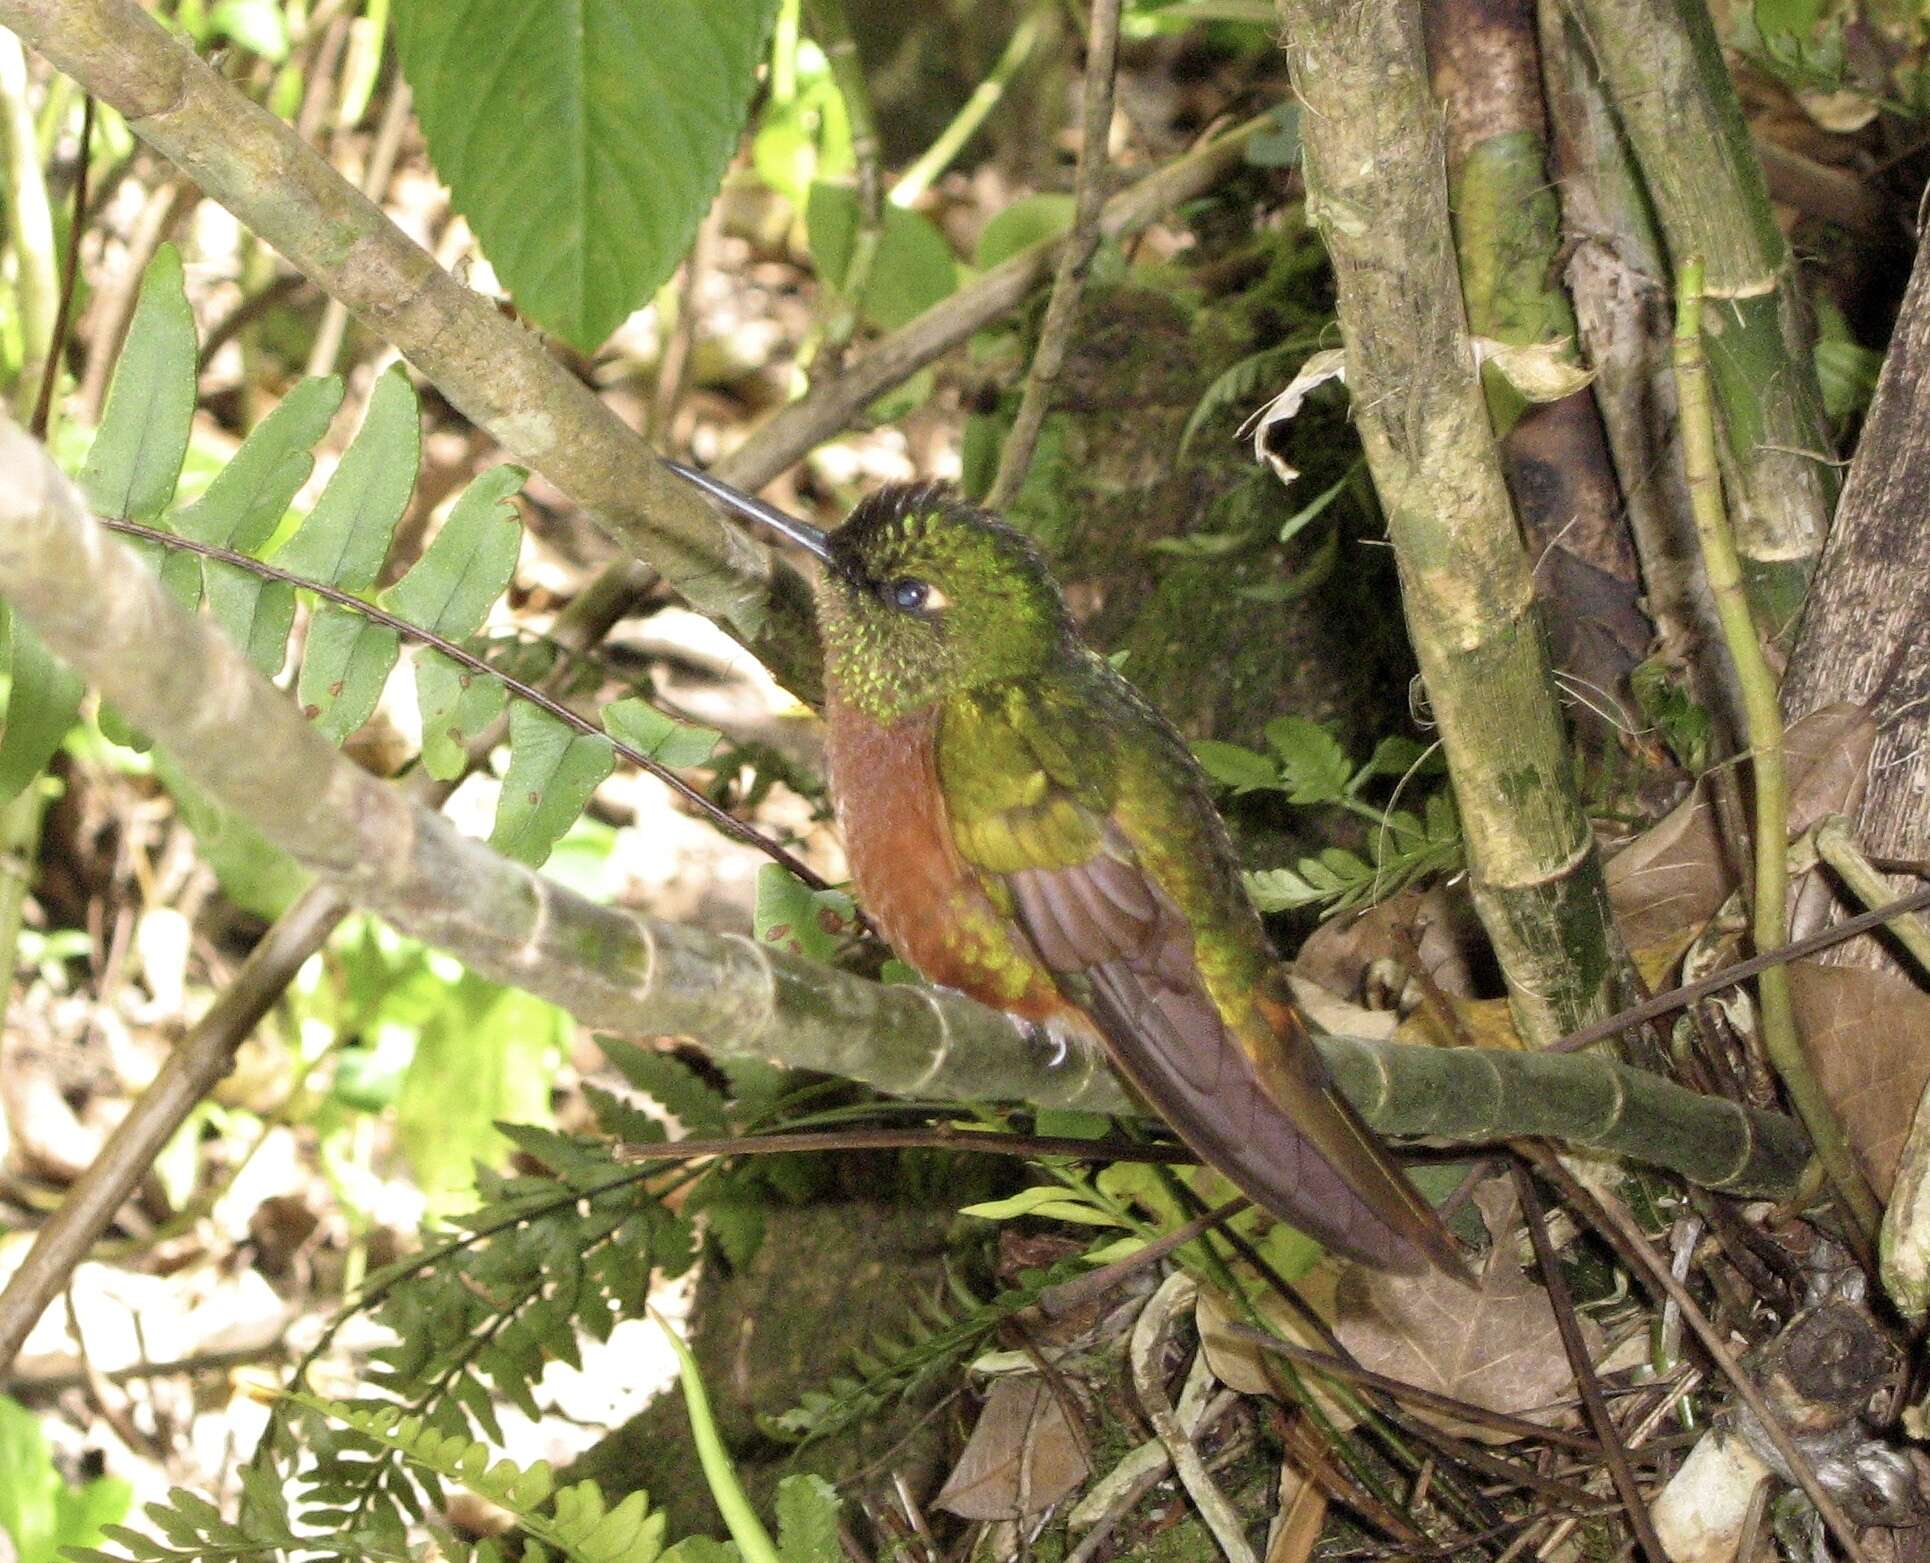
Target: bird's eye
(911,595)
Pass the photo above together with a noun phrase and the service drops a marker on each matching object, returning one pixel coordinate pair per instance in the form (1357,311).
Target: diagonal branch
(247,746)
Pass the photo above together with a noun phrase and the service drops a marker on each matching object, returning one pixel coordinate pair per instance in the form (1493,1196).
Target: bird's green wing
(1088,821)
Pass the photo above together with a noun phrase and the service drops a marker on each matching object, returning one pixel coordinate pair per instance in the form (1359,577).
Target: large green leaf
(241,510)
(914,269)
(583,139)
(39,1513)
(487,1053)
(664,739)
(456,705)
(43,694)
(248,497)
(553,769)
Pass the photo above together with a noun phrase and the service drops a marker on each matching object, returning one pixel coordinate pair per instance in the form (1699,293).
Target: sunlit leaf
(644,728)
(582,139)
(553,769)
(345,663)
(347,534)
(914,269)
(135,460)
(465,569)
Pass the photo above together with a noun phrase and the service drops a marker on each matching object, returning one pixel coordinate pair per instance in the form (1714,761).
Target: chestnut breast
(924,898)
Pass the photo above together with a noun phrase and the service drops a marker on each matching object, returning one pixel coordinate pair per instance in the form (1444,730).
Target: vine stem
(937,157)
(725,821)
(1763,725)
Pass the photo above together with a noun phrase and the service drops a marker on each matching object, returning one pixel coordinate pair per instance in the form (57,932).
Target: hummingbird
(1025,828)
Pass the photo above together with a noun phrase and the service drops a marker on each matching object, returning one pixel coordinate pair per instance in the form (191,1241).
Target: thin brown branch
(1614,1451)
(191,1071)
(1082,243)
(1056,1301)
(69,274)
(1413,1394)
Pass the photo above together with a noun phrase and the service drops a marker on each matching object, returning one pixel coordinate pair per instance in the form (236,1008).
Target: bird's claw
(1049,1039)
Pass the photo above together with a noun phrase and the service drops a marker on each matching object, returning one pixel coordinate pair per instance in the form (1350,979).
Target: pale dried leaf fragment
(1702,1513)
(1022,1457)
(1329,364)
(1536,371)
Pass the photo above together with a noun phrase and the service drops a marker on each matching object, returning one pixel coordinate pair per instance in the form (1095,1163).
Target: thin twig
(832,29)
(1763,720)
(1148,1346)
(726,822)
(936,158)
(1836,845)
(1614,1452)
(1626,1238)
(1732,976)
(70,272)
(249,309)
(1413,1394)
(1056,1301)
(329,334)
(1062,309)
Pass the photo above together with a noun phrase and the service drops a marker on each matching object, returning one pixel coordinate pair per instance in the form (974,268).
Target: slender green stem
(918,178)
(29,224)
(1836,845)
(1763,721)
(746,1529)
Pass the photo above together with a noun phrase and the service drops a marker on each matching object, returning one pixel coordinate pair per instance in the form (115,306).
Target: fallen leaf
(1023,1456)
(1329,364)
(1497,1347)
(1671,879)
(1867,1034)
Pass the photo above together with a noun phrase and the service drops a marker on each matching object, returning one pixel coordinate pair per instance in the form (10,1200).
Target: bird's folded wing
(1260,1109)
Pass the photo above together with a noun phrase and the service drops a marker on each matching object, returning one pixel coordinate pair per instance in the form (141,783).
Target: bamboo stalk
(1663,67)
(1763,720)
(1485,61)
(1374,189)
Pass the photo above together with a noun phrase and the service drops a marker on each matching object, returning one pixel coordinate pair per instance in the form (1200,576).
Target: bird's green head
(921,596)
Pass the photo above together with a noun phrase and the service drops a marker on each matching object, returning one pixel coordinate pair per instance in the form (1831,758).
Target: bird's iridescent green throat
(921,596)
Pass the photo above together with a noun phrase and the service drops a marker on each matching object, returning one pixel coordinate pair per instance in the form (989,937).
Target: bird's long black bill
(748,507)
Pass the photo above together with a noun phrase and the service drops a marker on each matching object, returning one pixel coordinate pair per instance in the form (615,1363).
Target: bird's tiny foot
(1049,1039)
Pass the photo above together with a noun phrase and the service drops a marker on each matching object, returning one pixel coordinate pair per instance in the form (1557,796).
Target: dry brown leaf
(1303,1513)
(1023,1456)
(1236,1360)
(1498,1347)
(1439,922)
(1671,879)
(1867,1034)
